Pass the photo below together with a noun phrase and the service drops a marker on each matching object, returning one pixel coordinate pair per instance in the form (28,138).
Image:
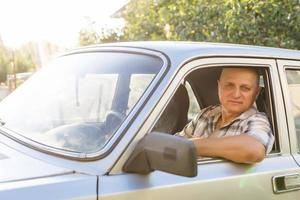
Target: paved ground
(3,92)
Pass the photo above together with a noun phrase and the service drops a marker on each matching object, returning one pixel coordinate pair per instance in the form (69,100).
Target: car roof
(183,51)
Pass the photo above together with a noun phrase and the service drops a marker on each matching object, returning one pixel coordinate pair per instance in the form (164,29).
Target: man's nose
(237,93)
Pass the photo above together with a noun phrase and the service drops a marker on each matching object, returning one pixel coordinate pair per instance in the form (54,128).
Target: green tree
(14,61)
(3,71)
(88,36)
(23,62)
(268,23)
(110,35)
(195,20)
(146,20)
(4,64)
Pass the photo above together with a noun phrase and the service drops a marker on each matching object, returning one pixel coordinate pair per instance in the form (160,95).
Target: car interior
(204,85)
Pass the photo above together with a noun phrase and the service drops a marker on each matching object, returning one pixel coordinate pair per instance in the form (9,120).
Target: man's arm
(239,148)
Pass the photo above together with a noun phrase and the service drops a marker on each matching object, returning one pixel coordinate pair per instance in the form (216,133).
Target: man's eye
(245,89)
(228,86)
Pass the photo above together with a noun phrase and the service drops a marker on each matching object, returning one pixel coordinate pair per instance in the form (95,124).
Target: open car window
(200,91)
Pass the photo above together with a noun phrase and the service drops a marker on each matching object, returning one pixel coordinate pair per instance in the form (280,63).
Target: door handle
(286,183)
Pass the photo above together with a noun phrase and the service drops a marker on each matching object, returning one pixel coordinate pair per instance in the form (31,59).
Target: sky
(57,21)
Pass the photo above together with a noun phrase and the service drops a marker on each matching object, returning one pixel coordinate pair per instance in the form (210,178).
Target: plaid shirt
(251,122)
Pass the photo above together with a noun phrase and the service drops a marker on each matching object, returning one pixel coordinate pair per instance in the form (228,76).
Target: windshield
(77,102)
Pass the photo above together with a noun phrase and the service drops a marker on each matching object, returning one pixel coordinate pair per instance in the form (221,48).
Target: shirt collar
(216,112)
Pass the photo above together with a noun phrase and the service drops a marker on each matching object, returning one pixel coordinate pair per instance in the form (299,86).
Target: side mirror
(164,152)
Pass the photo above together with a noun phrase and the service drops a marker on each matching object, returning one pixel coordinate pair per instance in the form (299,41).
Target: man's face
(237,89)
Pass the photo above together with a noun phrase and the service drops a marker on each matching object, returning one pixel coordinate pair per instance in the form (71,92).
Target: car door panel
(216,180)
(69,186)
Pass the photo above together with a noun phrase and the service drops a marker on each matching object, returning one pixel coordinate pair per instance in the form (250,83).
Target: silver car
(99,122)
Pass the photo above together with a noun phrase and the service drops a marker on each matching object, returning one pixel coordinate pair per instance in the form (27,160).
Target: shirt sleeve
(188,130)
(259,127)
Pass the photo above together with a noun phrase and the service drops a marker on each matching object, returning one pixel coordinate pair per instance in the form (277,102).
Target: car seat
(175,115)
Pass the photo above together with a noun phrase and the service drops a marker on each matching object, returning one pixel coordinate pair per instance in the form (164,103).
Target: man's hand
(240,148)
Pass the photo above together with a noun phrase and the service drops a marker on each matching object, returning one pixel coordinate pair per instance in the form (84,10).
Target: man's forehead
(244,76)
(238,72)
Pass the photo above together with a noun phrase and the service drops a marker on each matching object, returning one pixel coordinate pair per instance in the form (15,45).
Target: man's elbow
(255,155)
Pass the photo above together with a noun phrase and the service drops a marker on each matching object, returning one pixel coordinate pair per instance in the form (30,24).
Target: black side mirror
(160,151)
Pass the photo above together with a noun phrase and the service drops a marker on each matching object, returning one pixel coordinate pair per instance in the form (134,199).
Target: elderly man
(233,130)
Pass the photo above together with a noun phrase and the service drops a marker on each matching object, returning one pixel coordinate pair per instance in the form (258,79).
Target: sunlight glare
(57,21)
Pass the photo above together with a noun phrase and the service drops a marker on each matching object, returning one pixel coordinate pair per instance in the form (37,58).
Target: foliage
(23,62)
(88,36)
(146,20)
(268,23)
(110,35)
(14,61)
(271,23)
(4,64)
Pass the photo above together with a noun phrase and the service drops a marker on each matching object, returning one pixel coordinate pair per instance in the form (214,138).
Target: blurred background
(32,32)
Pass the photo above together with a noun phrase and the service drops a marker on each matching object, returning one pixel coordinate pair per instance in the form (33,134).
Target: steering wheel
(79,137)
(113,121)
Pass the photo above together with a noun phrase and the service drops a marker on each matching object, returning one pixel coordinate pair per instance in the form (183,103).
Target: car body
(97,123)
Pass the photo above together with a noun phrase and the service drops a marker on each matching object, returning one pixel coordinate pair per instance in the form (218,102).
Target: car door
(290,78)
(217,178)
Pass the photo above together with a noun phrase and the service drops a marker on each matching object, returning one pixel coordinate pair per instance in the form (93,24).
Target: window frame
(177,76)
(194,65)
(120,132)
(285,65)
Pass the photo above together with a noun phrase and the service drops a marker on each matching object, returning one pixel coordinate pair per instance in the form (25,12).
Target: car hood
(16,166)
